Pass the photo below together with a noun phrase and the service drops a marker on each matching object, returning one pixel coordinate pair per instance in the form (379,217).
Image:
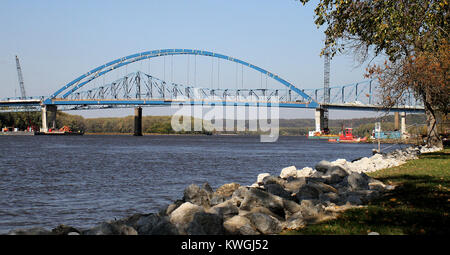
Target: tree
(413,37)
(426,74)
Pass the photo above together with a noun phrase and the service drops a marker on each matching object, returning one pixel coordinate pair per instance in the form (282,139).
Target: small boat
(347,137)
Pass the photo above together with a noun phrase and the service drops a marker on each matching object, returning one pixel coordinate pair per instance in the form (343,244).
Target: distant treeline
(361,127)
(162,124)
(20,120)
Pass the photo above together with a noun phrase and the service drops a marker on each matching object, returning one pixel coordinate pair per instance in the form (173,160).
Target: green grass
(419,204)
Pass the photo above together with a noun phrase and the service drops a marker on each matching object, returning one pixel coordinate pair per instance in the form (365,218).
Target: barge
(62,131)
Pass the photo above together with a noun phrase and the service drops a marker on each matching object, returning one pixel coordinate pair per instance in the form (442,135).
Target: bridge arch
(84,79)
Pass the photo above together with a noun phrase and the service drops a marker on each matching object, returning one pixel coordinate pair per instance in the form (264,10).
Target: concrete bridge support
(48,117)
(137,121)
(403,124)
(321,119)
(400,123)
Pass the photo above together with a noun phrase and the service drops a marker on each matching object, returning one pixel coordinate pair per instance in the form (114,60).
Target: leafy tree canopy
(395,28)
(411,34)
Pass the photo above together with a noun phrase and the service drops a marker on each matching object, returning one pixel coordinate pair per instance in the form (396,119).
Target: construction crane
(19,74)
(28,120)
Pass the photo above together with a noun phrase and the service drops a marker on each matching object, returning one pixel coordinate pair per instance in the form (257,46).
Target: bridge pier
(138,121)
(400,123)
(321,119)
(48,117)
(403,124)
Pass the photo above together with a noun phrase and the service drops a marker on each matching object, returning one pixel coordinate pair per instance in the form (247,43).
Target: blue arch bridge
(141,89)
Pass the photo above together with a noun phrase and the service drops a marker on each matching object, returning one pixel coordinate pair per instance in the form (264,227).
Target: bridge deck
(168,102)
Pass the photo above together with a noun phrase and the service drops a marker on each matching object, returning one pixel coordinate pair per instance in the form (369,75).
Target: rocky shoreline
(292,200)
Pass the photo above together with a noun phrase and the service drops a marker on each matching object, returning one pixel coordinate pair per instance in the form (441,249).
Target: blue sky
(57,41)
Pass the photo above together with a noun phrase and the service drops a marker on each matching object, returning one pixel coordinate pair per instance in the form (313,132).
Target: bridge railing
(360,93)
(140,85)
(21,98)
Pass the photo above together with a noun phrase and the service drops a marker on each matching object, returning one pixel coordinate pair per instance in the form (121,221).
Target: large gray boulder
(278,190)
(263,210)
(358,181)
(154,224)
(256,197)
(331,197)
(239,225)
(308,192)
(196,195)
(205,224)
(295,184)
(264,223)
(225,210)
(183,215)
(333,179)
(323,166)
(273,179)
(164,227)
(336,174)
(294,222)
(323,187)
(239,195)
(290,208)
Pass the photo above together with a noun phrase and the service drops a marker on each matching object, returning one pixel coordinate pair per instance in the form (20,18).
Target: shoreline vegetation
(402,192)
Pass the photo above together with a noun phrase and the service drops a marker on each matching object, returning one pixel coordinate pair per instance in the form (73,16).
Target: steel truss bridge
(142,89)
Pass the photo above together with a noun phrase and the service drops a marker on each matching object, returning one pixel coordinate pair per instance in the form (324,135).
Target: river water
(83,180)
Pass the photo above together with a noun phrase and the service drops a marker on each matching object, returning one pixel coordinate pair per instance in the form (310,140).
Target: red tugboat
(347,137)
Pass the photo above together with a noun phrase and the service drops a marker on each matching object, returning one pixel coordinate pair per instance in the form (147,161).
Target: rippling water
(81,181)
